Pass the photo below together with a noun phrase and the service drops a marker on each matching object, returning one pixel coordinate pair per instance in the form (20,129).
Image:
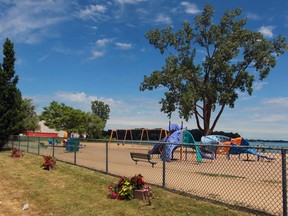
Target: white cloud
(103,42)
(267,31)
(280,100)
(253,16)
(74,97)
(270,118)
(129,1)
(82,100)
(190,8)
(43,58)
(30,21)
(259,85)
(124,45)
(91,11)
(161,18)
(97,54)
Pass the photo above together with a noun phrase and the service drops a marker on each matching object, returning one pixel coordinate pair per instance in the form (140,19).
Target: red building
(41,134)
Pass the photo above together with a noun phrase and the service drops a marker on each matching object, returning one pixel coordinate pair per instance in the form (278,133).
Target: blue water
(273,147)
(269,144)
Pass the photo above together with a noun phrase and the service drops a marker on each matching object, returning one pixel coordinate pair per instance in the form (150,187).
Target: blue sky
(76,51)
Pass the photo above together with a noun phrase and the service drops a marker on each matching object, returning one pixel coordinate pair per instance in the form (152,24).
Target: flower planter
(140,194)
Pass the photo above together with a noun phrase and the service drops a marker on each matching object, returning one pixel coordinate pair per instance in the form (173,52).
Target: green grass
(218,175)
(72,190)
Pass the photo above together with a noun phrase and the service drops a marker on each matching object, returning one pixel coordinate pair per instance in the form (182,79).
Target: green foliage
(123,189)
(233,55)
(66,118)
(100,109)
(62,117)
(10,96)
(30,118)
(94,126)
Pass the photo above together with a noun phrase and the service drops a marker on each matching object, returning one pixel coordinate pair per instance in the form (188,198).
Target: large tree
(94,126)
(61,117)
(100,109)
(10,96)
(30,117)
(234,58)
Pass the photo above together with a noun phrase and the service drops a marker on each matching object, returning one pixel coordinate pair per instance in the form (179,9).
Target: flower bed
(129,188)
(16,153)
(49,163)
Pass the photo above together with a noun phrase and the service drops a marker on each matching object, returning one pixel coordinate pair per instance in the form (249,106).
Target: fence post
(107,157)
(38,145)
(27,144)
(19,141)
(284,181)
(75,155)
(53,149)
(164,173)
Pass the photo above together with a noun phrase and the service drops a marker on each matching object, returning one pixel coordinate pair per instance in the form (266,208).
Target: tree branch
(217,117)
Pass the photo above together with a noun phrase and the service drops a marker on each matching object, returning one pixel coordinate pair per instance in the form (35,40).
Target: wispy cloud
(96,54)
(259,85)
(161,18)
(103,42)
(93,12)
(43,58)
(253,16)
(279,100)
(129,1)
(267,31)
(81,99)
(30,21)
(190,8)
(123,45)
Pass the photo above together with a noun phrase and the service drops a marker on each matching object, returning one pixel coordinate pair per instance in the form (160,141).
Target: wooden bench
(142,157)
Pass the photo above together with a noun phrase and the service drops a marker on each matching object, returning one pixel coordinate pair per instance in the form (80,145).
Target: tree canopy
(100,109)
(61,117)
(30,117)
(233,55)
(10,96)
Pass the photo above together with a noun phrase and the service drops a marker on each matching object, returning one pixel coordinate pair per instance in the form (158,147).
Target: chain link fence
(251,182)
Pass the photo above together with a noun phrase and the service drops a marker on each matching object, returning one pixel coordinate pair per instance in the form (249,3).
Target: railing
(254,183)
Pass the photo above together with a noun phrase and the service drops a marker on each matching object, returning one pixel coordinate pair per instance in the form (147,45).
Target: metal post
(284,181)
(27,144)
(38,145)
(19,139)
(53,150)
(164,174)
(74,155)
(107,158)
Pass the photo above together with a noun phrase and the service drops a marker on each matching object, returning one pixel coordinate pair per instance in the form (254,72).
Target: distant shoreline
(260,140)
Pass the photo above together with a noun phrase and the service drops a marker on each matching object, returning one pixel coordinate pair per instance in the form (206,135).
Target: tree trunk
(206,117)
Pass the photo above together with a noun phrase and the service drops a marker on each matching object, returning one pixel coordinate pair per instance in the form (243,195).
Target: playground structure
(227,141)
(128,133)
(178,137)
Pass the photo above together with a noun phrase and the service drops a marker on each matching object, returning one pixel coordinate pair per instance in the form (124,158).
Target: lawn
(72,190)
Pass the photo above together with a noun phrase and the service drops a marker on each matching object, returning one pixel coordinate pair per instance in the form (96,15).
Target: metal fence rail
(245,181)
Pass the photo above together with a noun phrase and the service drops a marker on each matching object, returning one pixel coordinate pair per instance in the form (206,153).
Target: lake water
(270,144)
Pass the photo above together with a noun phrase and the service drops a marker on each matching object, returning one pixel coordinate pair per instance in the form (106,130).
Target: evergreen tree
(10,95)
